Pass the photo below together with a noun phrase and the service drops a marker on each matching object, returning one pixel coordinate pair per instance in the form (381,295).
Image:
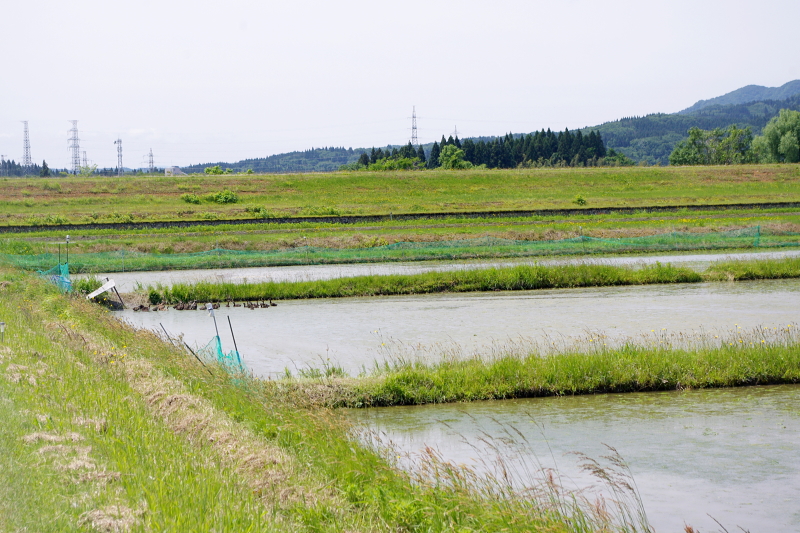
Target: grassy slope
(77,199)
(108,426)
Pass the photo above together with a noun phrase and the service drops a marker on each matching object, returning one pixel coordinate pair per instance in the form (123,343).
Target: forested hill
(312,160)
(651,138)
(747,94)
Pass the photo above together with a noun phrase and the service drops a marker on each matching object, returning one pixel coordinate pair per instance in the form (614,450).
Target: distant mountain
(747,94)
(652,138)
(312,160)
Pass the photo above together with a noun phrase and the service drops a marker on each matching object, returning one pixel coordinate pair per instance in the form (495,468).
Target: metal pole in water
(234,341)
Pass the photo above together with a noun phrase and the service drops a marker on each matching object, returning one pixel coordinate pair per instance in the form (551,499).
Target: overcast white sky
(201,81)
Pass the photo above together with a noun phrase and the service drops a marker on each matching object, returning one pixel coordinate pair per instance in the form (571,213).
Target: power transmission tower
(150,166)
(414,140)
(455,132)
(2,165)
(27,162)
(74,145)
(118,142)
(85,161)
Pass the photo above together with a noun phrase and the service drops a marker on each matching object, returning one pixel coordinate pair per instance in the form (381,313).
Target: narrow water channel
(354,333)
(729,453)
(128,281)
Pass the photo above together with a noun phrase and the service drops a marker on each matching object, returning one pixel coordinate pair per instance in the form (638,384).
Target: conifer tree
(433,160)
(421,154)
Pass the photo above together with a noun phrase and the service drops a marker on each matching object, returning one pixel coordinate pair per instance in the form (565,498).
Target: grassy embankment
(523,277)
(159,198)
(87,200)
(109,428)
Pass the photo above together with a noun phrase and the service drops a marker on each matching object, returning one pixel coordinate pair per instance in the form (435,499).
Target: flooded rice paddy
(354,333)
(729,453)
(128,281)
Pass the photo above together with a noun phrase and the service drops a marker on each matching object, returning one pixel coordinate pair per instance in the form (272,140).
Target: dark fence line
(356,219)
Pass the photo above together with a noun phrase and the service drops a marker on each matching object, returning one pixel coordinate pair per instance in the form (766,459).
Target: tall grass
(660,362)
(524,277)
(751,270)
(188,449)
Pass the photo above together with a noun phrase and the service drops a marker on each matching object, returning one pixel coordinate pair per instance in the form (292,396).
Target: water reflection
(731,453)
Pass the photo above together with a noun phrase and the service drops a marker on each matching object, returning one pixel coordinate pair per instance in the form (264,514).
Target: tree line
(779,142)
(653,137)
(542,148)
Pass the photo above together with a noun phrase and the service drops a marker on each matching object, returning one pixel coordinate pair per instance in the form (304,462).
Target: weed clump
(190,198)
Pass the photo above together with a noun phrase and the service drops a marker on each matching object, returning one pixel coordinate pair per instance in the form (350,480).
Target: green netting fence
(121,261)
(58,275)
(213,353)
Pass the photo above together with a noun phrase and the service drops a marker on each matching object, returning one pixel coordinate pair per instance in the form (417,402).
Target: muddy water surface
(355,332)
(730,453)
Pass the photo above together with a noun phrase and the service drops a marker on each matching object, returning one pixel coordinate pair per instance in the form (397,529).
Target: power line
(74,145)
(27,162)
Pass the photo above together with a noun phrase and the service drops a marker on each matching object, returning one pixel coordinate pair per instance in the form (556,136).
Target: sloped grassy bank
(113,429)
(523,277)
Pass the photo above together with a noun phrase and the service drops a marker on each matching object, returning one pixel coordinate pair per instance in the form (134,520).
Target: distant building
(174,171)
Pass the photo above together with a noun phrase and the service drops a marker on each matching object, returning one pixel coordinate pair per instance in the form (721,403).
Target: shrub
(580,200)
(216,169)
(190,198)
(226,197)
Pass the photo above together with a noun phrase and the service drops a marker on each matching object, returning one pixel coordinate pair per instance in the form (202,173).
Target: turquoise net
(58,275)
(213,353)
(121,261)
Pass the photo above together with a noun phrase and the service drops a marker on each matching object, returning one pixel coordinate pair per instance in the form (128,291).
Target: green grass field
(159,198)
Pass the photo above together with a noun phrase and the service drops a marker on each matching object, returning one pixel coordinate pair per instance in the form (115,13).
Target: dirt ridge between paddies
(360,219)
(516,278)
